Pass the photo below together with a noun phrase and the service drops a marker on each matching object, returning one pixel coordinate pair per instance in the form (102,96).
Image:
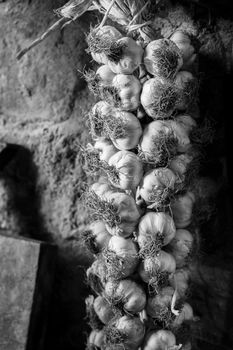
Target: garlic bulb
(159,98)
(126,293)
(101,42)
(156,186)
(182,209)
(99,79)
(187,50)
(128,132)
(96,237)
(159,305)
(123,128)
(155,230)
(185,167)
(186,314)
(181,135)
(121,257)
(158,143)
(127,168)
(96,275)
(105,148)
(187,122)
(96,339)
(117,209)
(103,309)
(180,281)
(187,85)
(161,340)
(163,58)
(123,93)
(156,270)
(126,333)
(128,59)
(181,247)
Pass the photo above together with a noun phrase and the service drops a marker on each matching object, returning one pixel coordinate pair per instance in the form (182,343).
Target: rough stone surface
(42,102)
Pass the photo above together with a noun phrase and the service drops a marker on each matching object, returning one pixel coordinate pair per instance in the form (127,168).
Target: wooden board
(26,278)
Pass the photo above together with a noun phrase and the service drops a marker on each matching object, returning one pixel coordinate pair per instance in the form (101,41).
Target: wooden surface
(25,286)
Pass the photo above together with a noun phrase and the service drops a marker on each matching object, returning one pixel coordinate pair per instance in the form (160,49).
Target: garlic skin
(159,98)
(124,93)
(162,58)
(182,209)
(130,59)
(182,40)
(160,340)
(129,169)
(105,148)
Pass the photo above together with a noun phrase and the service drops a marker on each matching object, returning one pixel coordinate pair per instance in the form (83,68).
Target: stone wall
(43,99)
